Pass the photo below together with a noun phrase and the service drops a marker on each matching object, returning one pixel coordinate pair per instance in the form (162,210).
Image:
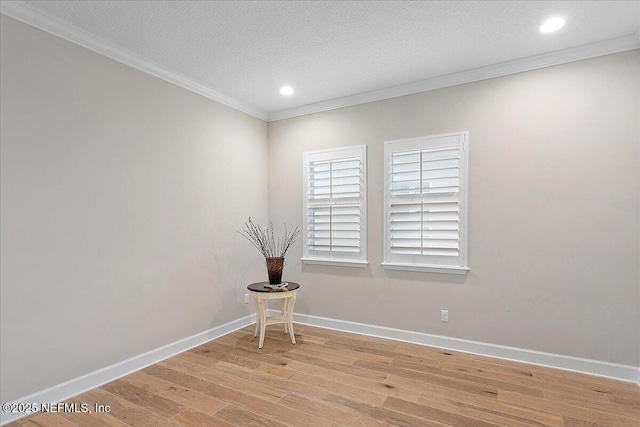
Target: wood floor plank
(426,359)
(582,402)
(325,334)
(240,417)
(343,353)
(508,368)
(433,353)
(580,379)
(93,419)
(215,353)
(434,414)
(491,410)
(125,411)
(416,381)
(573,422)
(287,415)
(277,340)
(287,386)
(301,334)
(244,400)
(604,415)
(192,418)
(334,414)
(368,384)
(185,396)
(557,376)
(347,369)
(338,379)
(335,387)
(255,389)
(47,420)
(342,339)
(164,407)
(328,355)
(230,339)
(173,376)
(415,365)
(525,379)
(253,354)
(380,413)
(625,400)
(413,370)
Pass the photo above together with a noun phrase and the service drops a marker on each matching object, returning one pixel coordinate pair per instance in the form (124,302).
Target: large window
(335,202)
(426,203)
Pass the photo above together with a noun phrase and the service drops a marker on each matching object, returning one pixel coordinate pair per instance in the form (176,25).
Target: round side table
(261,295)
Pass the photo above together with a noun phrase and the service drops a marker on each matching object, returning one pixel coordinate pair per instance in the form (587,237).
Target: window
(335,203)
(426,204)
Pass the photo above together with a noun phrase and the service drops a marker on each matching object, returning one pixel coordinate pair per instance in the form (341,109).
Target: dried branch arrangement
(265,240)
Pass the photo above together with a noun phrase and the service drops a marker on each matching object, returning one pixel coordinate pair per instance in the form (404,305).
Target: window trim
(336,262)
(395,262)
(333,154)
(426,268)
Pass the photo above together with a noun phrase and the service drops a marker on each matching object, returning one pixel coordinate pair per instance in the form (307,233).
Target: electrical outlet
(246,298)
(444,315)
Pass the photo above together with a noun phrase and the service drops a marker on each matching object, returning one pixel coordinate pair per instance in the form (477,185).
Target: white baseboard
(76,386)
(567,363)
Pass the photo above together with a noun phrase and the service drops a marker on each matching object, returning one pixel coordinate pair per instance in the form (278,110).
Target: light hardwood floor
(333,378)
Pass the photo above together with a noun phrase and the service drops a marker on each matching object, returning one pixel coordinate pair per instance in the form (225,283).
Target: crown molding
(34,17)
(579,53)
(43,21)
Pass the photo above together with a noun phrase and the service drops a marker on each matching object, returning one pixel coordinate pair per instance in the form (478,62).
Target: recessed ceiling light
(286,90)
(553,24)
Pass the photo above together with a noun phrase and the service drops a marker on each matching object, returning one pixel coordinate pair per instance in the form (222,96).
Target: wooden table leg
(291,302)
(283,311)
(255,333)
(263,321)
(287,302)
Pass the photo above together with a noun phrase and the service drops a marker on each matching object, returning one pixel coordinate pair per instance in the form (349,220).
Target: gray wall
(121,197)
(553,211)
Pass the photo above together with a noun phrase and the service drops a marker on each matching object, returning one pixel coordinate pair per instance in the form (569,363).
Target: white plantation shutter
(425,203)
(334,228)
(430,171)
(335,192)
(335,179)
(425,228)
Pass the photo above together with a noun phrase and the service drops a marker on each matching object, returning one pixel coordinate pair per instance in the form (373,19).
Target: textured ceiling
(328,50)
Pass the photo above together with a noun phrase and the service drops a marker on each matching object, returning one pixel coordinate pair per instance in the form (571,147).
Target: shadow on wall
(416,276)
(350,272)
(232,269)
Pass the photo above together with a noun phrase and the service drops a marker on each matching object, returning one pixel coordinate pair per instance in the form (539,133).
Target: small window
(426,204)
(335,201)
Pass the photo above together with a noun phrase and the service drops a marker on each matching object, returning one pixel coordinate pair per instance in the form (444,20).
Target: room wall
(553,211)
(121,196)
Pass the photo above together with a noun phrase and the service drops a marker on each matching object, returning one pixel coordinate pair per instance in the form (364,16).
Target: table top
(259,287)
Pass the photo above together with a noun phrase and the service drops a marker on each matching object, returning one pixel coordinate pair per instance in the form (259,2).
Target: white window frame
(428,263)
(336,258)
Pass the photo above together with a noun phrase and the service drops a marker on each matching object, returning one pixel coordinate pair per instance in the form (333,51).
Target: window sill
(336,262)
(425,268)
